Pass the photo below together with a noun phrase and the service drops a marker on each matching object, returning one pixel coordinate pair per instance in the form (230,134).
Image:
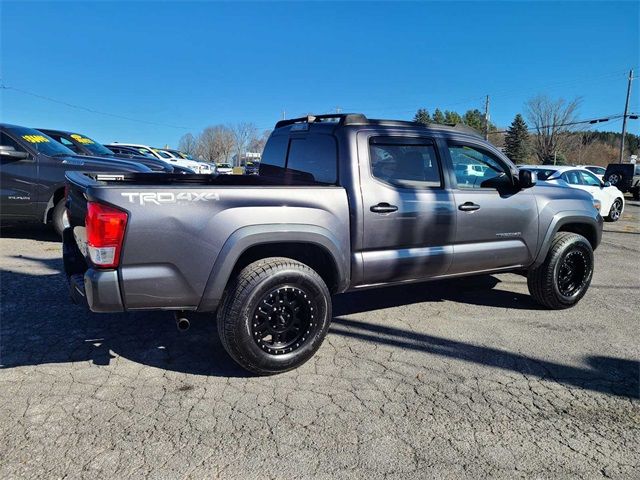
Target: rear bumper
(98,290)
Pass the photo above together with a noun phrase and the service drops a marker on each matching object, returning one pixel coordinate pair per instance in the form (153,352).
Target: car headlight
(597,204)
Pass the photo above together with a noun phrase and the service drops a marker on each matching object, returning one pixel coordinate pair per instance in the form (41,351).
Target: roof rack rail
(361,119)
(340,118)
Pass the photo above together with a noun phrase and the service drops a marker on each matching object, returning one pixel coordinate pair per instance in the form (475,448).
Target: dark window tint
(314,156)
(7,141)
(408,166)
(274,156)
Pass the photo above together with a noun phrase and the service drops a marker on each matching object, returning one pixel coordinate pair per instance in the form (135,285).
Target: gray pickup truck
(342,203)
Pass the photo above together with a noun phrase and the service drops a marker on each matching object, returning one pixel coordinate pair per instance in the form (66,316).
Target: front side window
(7,141)
(590,179)
(476,169)
(406,166)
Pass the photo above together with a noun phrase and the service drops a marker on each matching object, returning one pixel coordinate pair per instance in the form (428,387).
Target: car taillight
(105,232)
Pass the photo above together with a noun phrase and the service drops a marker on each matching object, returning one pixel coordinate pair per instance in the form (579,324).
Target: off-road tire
(543,281)
(57,217)
(247,291)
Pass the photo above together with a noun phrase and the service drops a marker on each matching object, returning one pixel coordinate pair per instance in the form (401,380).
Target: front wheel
(274,315)
(565,275)
(616,211)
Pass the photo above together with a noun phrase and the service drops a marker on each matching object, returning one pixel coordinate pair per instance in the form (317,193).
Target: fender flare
(246,237)
(564,218)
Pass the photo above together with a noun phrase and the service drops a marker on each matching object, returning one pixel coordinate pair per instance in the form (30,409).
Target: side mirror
(527,178)
(606,184)
(8,151)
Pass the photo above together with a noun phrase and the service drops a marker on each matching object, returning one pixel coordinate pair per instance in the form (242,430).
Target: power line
(91,110)
(591,121)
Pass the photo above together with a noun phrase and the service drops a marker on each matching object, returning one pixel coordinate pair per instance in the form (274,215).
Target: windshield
(597,170)
(91,145)
(40,142)
(162,153)
(224,165)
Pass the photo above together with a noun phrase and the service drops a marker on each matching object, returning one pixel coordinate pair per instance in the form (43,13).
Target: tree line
(224,143)
(553,134)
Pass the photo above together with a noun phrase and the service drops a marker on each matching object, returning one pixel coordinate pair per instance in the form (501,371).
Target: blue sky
(198,64)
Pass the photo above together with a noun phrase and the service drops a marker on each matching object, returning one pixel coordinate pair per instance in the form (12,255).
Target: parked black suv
(624,176)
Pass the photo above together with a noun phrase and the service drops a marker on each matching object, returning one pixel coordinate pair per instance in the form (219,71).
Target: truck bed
(183,229)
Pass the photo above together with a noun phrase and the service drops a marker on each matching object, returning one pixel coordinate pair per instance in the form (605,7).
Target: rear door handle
(383,207)
(468,207)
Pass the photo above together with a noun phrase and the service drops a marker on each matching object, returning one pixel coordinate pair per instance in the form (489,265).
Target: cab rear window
(310,158)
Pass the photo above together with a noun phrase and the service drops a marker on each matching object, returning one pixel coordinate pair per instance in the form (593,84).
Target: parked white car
(198,167)
(224,169)
(611,199)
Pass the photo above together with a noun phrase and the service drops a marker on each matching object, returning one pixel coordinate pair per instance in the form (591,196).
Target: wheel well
(313,255)
(53,201)
(587,231)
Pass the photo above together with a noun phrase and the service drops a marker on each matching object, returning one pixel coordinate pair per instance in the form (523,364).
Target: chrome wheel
(283,320)
(616,210)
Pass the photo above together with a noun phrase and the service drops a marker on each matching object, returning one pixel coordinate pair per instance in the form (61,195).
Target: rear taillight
(105,232)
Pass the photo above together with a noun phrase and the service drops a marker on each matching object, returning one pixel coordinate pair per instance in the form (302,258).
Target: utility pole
(624,118)
(486,119)
(284,114)
(338,110)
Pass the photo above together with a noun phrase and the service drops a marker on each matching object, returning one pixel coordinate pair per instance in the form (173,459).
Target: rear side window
(312,159)
(408,166)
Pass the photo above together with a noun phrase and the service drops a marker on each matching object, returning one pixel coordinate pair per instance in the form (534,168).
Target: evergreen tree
(474,119)
(516,141)
(422,116)
(452,118)
(438,116)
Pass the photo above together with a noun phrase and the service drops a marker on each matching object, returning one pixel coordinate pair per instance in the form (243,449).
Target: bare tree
(188,144)
(257,143)
(550,119)
(216,143)
(243,132)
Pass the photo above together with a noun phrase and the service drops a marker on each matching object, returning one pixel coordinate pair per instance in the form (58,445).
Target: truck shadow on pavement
(38,325)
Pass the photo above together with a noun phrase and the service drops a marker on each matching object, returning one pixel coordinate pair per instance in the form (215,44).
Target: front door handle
(383,207)
(468,207)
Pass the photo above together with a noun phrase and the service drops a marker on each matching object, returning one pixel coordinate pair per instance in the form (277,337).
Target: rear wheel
(274,316)
(59,218)
(616,211)
(565,275)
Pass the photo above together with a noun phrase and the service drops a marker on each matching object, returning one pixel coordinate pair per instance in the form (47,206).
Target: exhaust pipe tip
(183,324)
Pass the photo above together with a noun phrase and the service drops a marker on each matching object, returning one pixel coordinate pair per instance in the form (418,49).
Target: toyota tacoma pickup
(32,169)
(342,203)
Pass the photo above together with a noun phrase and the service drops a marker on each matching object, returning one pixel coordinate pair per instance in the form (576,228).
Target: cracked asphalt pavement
(467,378)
